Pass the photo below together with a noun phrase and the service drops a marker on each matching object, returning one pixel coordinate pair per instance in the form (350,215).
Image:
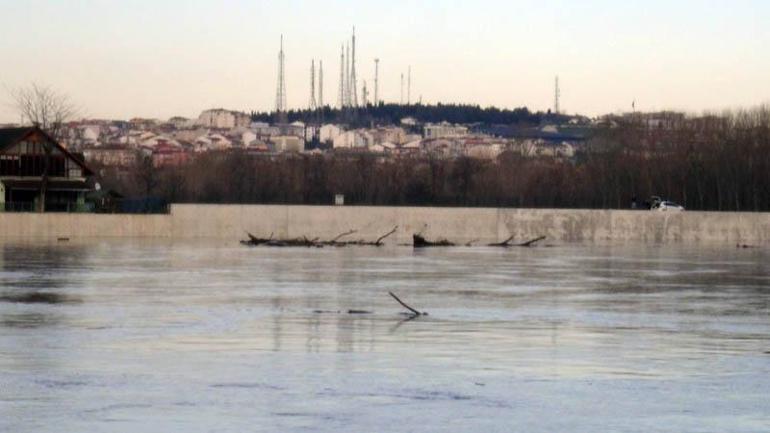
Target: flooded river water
(197,337)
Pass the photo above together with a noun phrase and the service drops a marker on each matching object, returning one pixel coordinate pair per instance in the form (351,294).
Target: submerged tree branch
(403,304)
(385,236)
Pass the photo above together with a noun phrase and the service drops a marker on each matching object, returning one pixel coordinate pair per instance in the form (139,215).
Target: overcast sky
(160,58)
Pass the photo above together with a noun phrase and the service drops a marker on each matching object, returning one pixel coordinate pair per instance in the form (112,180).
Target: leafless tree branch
(44,107)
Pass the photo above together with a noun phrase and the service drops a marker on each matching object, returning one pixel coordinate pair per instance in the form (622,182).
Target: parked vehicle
(666,206)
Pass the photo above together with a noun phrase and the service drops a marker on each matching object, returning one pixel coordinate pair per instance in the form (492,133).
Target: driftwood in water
(413,313)
(379,240)
(351,312)
(377,243)
(298,242)
(531,242)
(342,235)
(254,241)
(745,246)
(420,242)
(507,243)
(403,304)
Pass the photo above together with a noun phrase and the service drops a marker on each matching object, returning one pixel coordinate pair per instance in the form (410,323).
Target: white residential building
(329,132)
(248,138)
(444,129)
(91,134)
(181,122)
(223,119)
(390,134)
(288,143)
(350,139)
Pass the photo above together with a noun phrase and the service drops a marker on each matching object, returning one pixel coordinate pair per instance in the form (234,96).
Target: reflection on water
(198,337)
(36,298)
(27,320)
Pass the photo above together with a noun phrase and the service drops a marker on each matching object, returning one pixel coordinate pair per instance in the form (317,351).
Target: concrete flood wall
(76,225)
(460,225)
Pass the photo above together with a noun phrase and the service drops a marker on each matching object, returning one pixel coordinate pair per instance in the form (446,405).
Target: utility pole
(401,101)
(364,96)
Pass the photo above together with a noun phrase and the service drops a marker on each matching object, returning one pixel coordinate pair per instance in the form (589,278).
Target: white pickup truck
(665,206)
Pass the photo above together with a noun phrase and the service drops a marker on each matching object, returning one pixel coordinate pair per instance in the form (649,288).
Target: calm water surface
(195,337)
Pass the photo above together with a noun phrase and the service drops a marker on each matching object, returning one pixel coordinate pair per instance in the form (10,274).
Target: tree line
(391,114)
(714,162)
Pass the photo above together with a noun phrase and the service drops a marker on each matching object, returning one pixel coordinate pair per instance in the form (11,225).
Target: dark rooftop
(9,136)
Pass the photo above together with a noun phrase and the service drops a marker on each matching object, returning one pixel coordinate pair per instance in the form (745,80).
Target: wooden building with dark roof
(23,179)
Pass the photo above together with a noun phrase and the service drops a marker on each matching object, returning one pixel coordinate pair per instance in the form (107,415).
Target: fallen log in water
(745,246)
(507,243)
(531,242)
(255,241)
(418,241)
(379,240)
(350,312)
(376,243)
(342,235)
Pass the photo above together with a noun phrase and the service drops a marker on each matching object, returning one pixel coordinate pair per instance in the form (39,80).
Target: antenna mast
(353,79)
(313,105)
(376,82)
(557,95)
(409,87)
(280,97)
(320,83)
(347,74)
(341,97)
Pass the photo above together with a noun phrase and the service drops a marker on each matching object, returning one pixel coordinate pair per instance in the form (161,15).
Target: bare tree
(146,174)
(47,109)
(44,107)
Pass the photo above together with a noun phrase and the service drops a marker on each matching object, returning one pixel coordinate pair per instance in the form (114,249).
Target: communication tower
(353,79)
(280,97)
(376,81)
(312,105)
(557,96)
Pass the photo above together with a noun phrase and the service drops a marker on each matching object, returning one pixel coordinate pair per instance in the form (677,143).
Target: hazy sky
(159,58)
